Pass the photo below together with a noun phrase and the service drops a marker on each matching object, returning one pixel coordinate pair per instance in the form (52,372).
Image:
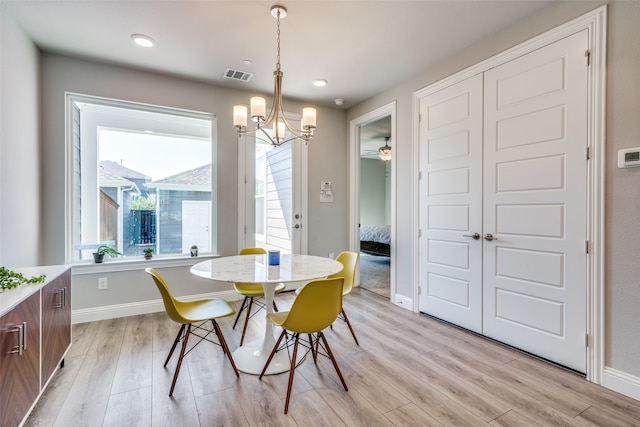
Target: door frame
(596,24)
(354,186)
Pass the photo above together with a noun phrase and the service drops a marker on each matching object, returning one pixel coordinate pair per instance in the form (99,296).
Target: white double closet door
(503,202)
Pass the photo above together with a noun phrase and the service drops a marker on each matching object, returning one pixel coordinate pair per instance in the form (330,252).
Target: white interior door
(451,204)
(514,170)
(535,195)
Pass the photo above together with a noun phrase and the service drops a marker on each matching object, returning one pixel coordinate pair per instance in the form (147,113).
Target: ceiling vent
(238,75)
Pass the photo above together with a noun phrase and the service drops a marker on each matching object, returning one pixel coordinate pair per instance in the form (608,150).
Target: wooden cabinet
(20,360)
(56,319)
(31,316)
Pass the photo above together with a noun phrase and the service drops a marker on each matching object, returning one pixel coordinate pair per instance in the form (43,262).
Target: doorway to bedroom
(376,153)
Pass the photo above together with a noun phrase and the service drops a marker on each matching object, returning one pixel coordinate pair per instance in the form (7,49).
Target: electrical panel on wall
(326,196)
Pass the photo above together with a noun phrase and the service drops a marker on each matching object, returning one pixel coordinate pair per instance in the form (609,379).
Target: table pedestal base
(250,359)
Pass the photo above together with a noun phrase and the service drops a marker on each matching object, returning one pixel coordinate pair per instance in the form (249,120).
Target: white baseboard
(142,307)
(403,301)
(621,382)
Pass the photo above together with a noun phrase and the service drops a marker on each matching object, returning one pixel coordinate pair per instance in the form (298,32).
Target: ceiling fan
(371,149)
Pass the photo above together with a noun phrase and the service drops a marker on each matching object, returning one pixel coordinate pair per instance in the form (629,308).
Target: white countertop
(12,297)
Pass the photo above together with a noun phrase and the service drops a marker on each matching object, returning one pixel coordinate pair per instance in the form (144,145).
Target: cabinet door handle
(60,301)
(21,331)
(24,336)
(16,348)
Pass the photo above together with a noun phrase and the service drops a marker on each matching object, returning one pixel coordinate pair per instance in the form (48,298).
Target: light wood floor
(409,370)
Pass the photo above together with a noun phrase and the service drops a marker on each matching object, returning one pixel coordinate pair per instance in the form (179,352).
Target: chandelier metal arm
(262,135)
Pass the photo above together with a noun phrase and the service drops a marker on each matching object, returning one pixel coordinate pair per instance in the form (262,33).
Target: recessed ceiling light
(246,62)
(320,83)
(142,40)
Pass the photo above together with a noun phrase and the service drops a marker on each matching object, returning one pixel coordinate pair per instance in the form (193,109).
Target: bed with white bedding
(375,239)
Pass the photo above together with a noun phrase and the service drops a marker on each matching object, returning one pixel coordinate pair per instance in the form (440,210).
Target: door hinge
(419,232)
(586,246)
(419,290)
(586,340)
(419,175)
(587,55)
(588,153)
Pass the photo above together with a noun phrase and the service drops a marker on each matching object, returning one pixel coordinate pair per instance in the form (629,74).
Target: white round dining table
(251,357)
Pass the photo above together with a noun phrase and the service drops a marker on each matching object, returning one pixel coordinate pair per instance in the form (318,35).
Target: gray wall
(373,192)
(32,214)
(20,201)
(622,234)
(62,74)
(622,266)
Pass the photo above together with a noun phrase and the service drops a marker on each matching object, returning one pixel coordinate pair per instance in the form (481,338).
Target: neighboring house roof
(114,175)
(198,179)
(110,180)
(116,169)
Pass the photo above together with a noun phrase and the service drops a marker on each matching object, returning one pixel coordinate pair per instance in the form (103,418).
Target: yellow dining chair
(193,315)
(252,293)
(349,261)
(316,307)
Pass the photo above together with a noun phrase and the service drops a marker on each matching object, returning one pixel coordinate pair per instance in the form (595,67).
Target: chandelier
(283,131)
(385,152)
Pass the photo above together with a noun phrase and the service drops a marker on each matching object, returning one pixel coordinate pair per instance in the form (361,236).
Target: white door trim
(596,24)
(354,184)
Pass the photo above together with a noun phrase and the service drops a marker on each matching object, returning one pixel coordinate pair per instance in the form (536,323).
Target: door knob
(489,237)
(474,236)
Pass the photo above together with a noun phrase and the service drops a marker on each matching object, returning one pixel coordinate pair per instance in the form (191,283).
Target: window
(142,178)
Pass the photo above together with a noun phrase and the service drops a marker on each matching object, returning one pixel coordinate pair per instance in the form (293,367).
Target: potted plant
(148,253)
(98,255)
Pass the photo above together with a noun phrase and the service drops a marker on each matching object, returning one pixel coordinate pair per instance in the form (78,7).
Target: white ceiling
(361,47)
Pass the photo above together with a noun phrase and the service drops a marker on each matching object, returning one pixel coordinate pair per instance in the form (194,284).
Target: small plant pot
(98,258)
(148,255)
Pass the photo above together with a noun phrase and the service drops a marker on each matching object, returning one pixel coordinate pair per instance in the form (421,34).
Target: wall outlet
(102,283)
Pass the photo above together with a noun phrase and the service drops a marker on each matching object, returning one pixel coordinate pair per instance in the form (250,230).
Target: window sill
(137,263)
